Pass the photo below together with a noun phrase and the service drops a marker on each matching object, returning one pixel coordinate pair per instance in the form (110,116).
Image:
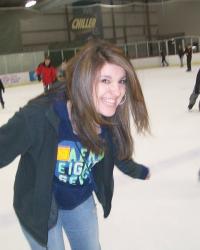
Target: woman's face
(109,89)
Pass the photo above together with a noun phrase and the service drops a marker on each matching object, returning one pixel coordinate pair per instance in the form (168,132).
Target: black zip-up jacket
(1,86)
(197,84)
(32,133)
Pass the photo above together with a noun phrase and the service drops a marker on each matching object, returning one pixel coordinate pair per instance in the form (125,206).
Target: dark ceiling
(13,3)
(21,3)
(51,4)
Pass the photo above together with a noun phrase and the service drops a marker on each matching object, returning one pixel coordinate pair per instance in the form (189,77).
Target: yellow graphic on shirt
(63,153)
(74,163)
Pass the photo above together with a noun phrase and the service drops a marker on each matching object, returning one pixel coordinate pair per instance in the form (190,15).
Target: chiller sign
(83,23)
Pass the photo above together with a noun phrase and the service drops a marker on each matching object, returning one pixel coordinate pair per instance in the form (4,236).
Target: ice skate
(190,106)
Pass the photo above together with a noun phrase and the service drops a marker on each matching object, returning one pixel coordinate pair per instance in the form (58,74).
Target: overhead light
(30,3)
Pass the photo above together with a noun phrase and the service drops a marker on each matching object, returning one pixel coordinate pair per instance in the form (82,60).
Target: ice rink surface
(162,213)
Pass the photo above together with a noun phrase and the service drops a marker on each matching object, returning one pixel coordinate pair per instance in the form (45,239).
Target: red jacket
(46,73)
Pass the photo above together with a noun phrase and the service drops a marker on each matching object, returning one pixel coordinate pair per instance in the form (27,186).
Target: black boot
(190,106)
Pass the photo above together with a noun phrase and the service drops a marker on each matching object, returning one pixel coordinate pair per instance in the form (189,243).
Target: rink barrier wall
(24,78)
(153,62)
(15,79)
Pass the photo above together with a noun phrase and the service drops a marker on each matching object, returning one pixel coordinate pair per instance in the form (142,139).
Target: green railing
(29,61)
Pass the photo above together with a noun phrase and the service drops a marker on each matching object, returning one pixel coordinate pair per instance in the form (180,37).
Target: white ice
(162,213)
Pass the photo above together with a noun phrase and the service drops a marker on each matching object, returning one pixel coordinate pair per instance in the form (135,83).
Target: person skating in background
(188,52)
(69,145)
(163,58)
(47,73)
(62,70)
(195,92)
(181,54)
(2,89)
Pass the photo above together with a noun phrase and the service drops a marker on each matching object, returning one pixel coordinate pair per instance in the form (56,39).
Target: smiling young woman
(69,140)
(109,89)
(102,68)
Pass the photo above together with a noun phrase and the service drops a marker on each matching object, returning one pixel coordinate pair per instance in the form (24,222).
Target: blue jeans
(80,225)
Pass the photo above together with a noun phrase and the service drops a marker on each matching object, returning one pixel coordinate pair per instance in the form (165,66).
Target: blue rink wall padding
(32,76)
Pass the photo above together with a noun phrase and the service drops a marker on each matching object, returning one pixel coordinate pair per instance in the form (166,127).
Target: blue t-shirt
(73,182)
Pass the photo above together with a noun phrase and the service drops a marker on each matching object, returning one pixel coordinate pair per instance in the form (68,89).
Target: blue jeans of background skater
(80,225)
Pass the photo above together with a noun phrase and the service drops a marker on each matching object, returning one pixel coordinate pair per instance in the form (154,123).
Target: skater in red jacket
(47,73)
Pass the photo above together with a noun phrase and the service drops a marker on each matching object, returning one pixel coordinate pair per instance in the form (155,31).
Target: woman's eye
(123,81)
(105,81)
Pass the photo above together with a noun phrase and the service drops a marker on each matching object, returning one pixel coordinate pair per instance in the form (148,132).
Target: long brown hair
(82,71)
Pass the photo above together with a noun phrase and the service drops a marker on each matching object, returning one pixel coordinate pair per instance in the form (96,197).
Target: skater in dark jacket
(181,55)
(69,143)
(2,89)
(188,52)
(163,58)
(195,93)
